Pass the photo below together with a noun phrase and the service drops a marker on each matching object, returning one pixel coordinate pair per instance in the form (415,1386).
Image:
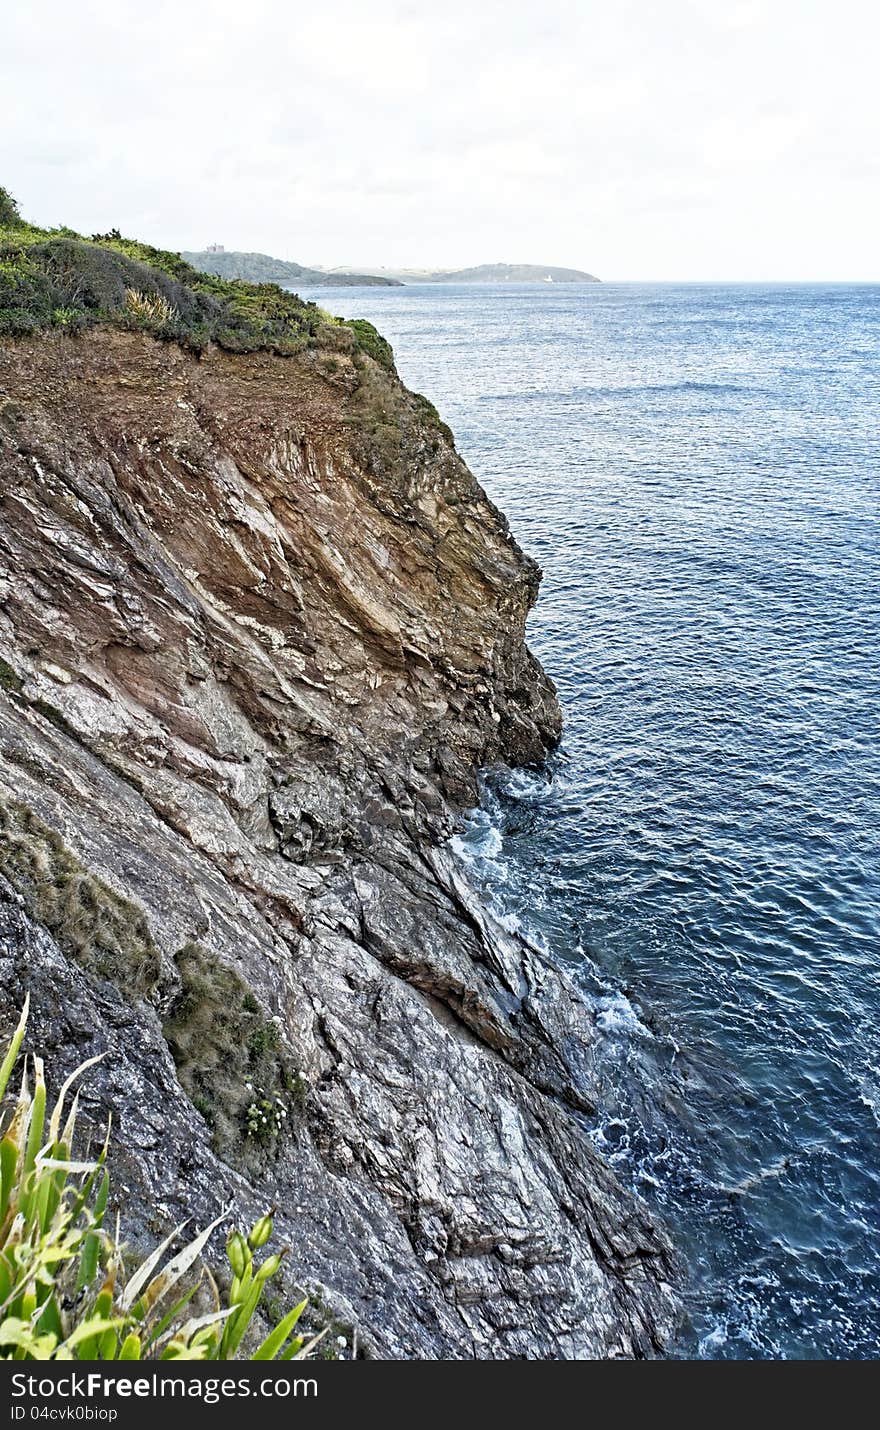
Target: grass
(106,934)
(10,679)
(227,1051)
(66,1292)
(229,1060)
(59,279)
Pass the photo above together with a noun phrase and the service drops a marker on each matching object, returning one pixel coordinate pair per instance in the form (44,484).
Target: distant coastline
(485,273)
(262,268)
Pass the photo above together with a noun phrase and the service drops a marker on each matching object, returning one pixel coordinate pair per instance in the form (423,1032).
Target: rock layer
(260,628)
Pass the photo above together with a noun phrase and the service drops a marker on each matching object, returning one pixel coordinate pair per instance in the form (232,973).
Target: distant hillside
(489,273)
(511,273)
(260,268)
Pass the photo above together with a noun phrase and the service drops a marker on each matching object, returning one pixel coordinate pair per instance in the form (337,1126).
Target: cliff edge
(259,629)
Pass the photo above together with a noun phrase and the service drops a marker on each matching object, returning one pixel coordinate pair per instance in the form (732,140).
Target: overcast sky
(634,138)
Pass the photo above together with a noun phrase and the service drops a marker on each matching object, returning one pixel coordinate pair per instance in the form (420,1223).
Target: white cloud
(690,139)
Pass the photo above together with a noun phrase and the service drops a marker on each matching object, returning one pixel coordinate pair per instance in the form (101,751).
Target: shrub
(67,317)
(111,279)
(65,1292)
(152,307)
(370,340)
(265,1118)
(9,215)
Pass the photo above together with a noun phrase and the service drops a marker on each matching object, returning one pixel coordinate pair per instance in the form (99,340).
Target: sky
(636,139)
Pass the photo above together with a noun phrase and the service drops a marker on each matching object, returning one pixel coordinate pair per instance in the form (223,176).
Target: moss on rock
(228,1056)
(106,934)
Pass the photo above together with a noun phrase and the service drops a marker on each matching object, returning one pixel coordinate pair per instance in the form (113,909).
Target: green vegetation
(370,341)
(64,281)
(429,410)
(65,1291)
(9,678)
(228,1058)
(226,1051)
(265,1119)
(390,425)
(55,278)
(9,215)
(103,932)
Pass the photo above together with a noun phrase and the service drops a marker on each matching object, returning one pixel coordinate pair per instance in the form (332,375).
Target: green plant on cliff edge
(9,215)
(56,278)
(64,1290)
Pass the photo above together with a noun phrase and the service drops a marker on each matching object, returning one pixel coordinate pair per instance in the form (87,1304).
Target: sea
(696,468)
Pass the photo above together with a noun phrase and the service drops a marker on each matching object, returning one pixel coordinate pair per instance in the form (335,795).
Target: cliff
(259,629)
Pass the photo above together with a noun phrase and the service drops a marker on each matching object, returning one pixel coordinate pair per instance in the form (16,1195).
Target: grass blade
(14,1047)
(270,1347)
(144,1272)
(58,1109)
(162,1284)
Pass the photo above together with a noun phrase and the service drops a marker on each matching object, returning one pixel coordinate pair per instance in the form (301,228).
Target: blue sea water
(697,469)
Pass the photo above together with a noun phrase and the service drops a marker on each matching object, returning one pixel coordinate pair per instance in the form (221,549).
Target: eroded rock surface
(259,629)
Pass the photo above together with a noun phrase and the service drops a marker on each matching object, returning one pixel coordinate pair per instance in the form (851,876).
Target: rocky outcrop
(259,630)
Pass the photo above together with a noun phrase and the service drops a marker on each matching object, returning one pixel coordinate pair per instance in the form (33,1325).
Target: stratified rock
(260,628)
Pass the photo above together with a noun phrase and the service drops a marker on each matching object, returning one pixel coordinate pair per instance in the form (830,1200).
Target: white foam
(520,783)
(869,1092)
(616,1014)
(716,1338)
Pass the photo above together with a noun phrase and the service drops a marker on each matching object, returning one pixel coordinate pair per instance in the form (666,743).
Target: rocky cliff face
(259,629)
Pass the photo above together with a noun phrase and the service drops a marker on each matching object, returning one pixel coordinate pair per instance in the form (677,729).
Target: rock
(259,631)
